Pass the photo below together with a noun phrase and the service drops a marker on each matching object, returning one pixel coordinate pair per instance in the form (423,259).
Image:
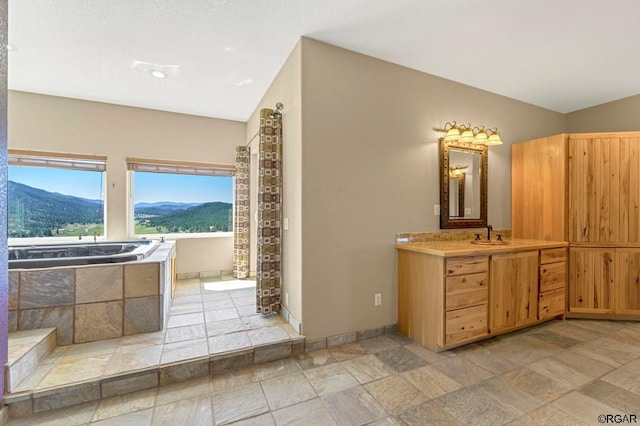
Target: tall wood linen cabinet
(584,188)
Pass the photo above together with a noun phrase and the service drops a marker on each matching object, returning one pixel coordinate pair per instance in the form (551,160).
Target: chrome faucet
(489,229)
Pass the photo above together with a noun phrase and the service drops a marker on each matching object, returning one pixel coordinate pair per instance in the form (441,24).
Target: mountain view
(35,212)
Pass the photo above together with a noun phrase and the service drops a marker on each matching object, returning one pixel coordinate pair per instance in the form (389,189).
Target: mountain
(207,217)
(160,208)
(35,212)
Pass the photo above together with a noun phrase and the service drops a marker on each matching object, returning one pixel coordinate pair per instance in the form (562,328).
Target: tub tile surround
(93,302)
(74,374)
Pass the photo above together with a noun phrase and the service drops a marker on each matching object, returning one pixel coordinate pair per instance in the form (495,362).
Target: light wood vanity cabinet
(446,299)
(584,188)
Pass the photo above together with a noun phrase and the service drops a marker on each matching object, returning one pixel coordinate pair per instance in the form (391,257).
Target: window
(180,198)
(55,195)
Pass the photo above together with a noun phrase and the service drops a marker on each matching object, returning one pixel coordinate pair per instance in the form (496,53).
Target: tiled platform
(212,325)
(27,348)
(558,373)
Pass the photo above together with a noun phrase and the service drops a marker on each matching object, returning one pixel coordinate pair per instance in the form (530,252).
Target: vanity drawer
(551,303)
(552,276)
(466,290)
(464,324)
(553,255)
(467,265)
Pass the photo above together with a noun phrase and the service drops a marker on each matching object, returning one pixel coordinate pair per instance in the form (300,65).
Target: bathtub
(91,292)
(69,254)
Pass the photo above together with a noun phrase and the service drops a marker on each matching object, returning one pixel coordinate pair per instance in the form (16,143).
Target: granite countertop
(465,248)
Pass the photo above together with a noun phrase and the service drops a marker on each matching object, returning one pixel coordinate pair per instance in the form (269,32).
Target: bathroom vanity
(454,292)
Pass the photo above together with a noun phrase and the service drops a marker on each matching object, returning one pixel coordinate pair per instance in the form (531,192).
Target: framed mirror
(463,185)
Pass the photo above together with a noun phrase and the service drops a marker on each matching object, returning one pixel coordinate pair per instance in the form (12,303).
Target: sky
(153,187)
(69,182)
(149,187)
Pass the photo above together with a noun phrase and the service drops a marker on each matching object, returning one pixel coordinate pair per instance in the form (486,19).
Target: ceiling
(220,56)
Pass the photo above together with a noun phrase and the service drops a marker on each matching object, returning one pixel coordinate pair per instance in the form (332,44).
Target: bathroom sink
(489,242)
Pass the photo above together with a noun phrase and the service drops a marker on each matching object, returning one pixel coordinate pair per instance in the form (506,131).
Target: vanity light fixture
(466,133)
(481,136)
(453,132)
(494,138)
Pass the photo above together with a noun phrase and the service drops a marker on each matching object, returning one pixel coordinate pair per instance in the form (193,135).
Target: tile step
(27,348)
(24,403)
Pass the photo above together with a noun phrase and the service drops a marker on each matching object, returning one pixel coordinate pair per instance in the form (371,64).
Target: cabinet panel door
(594,193)
(538,181)
(591,280)
(526,288)
(502,279)
(629,188)
(628,281)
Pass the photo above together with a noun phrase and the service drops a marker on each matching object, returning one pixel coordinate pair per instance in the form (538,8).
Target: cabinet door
(591,278)
(538,182)
(594,189)
(513,290)
(629,212)
(526,290)
(627,299)
(501,292)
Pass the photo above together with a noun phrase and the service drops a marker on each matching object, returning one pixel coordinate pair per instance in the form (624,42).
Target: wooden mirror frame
(445,221)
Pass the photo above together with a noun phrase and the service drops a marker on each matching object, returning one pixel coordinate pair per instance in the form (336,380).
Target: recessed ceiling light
(158,74)
(244,82)
(227,49)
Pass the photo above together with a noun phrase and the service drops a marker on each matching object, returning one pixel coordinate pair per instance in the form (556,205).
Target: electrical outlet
(436,209)
(377,299)
(285,223)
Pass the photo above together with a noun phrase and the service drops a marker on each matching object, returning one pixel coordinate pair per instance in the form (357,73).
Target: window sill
(53,240)
(182,236)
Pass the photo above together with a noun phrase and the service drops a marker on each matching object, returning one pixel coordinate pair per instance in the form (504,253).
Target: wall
(286,88)
(370,170)
(618,116)
(49,123)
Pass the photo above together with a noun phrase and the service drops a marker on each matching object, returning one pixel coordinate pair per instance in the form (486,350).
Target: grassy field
(78,229)
(141,229)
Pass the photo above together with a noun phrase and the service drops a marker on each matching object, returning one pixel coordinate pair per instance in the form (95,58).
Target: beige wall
(48,123)
(618,116)
(286,88)
(370,170)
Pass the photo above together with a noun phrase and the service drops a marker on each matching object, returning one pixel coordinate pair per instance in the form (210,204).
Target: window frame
(175,167)
(64,161)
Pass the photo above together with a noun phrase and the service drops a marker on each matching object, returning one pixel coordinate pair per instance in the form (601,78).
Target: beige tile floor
(558,373)
(207,317)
